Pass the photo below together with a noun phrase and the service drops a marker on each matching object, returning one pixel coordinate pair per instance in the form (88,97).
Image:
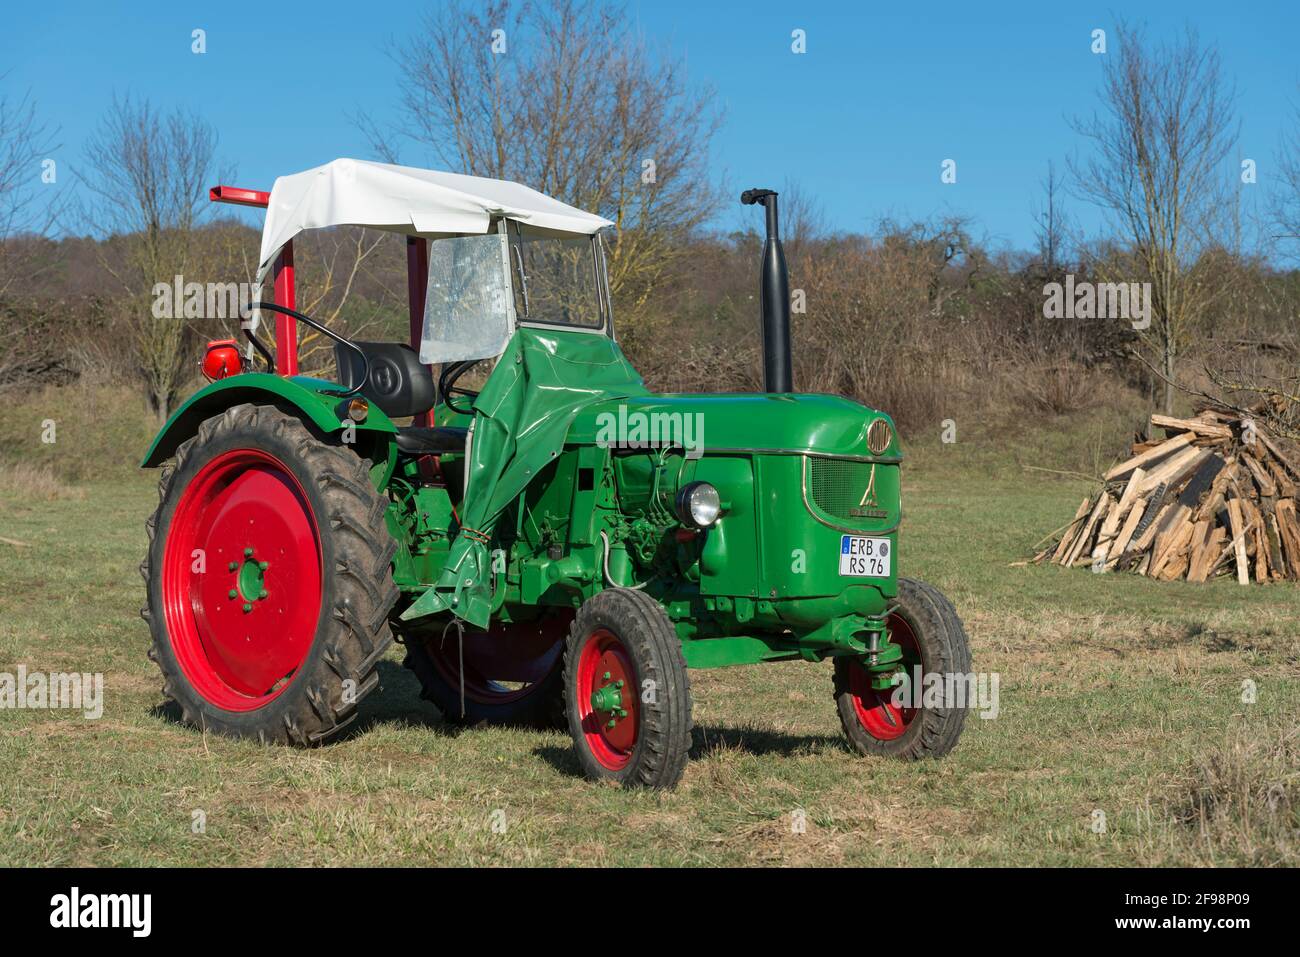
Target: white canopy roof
(403,199)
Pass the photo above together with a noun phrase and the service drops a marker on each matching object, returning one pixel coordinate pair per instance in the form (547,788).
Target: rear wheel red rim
(875,708)
(242,579)
(607,700)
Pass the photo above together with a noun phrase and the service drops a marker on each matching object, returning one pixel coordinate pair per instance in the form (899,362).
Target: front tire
(926,625)
(269,579)
(627,694)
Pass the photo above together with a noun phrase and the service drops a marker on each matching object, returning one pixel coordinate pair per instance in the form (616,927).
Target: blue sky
(861,121)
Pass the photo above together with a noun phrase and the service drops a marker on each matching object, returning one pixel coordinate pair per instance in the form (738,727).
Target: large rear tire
(269,579)
(926,625)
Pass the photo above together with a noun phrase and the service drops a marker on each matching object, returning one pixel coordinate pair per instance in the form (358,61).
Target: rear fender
(299,396)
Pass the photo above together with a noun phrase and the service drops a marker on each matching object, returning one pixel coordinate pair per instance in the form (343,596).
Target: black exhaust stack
(774,297)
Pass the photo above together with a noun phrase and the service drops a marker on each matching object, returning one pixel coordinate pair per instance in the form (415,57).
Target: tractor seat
(431,440)
(398,384)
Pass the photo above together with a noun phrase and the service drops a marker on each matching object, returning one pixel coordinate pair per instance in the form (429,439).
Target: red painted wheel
(627,695)
(270,579)
(241,579)
(875,708)
(607,701)
(926,627)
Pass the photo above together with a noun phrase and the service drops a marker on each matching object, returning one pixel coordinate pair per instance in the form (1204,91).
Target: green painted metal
(540,384)
(608,697)
(251,578)
(300,394)
(559,498)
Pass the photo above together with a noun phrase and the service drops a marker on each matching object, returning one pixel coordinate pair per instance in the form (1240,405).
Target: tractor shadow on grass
(397,700)
(707,740)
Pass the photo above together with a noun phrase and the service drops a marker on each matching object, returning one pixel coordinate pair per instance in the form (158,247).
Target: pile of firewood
(1217,496)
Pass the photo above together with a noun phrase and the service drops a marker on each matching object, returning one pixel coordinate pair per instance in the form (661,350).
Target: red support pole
(417,285)
(286,327)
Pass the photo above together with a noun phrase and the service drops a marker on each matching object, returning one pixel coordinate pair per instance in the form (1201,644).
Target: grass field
(1118,695)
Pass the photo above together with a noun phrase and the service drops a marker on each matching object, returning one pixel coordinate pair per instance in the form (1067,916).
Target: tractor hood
(798,422)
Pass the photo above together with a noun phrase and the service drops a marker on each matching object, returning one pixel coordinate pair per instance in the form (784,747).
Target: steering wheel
(447,385)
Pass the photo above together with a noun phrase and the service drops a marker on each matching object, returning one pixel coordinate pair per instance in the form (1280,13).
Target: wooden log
(1126,532)
(1289,532)
(1067,539)
(1285,487)
(1273,447)
(1110,527)
(1267,487)
(1239,540)
(1149,457)
(1256,519)
(1148,536)
(1174,471)
(1277,567)
(1169,548)
(1211,430)
(1103,502)
(1199,567)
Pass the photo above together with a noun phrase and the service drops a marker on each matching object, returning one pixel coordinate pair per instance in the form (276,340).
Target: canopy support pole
(417,285)
(286,327)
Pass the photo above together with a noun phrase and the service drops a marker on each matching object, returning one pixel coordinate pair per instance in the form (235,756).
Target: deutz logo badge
(868,507)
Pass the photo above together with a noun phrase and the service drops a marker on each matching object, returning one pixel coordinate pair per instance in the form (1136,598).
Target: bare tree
(24,140)
(1160,139)
(148,174)
(1051,223)
(565,97)
(1286,211)
(331,265)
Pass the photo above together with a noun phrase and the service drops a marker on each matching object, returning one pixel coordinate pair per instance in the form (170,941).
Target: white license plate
(863,557)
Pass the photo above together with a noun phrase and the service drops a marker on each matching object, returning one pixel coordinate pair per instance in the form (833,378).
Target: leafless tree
(24,140)
(331,263)
(147,174)
(1286,211)
(1157,167)
(25,215)
(1051,223)
(566,97)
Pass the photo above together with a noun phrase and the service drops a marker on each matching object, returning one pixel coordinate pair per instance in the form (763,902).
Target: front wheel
(269,579)
(884,721)
(627,695)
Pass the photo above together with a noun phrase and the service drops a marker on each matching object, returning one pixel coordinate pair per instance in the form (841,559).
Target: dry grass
(1243,803)
(24,480)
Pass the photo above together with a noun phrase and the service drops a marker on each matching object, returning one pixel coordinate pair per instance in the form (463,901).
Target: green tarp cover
(522,417)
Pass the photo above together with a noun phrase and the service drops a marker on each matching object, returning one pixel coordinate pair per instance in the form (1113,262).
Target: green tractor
(556,547)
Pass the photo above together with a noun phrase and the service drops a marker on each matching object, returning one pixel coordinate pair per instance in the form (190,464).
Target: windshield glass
(467,306)
(556,279)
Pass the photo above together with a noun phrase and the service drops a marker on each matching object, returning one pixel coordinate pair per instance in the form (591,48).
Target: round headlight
(879,435)
(698,504)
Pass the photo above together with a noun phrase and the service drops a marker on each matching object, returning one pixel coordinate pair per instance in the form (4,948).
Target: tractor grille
(836,486)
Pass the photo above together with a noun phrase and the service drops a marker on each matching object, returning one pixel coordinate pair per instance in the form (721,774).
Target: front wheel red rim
(608,704)
(242,579)
(879,716)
